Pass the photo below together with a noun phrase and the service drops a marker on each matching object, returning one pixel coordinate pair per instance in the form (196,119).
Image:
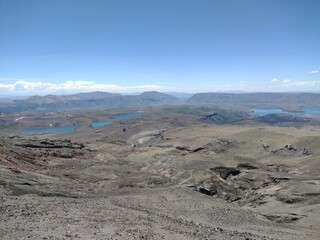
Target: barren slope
(163,182)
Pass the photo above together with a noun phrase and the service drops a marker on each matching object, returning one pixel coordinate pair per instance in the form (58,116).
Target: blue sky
(62,46)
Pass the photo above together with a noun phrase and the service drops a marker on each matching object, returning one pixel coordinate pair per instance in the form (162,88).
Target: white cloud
(313,71)
(39,87)
(286,81)
(291,83)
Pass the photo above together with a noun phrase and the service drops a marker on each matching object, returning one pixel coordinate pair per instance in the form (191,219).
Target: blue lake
(100,124)
(127,115)
(260,111)
(265,110)
(73,128)
(312,110)
(51,130)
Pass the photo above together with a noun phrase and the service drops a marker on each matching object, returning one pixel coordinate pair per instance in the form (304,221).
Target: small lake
(312,110)
(127,115)
(73,128)
(266,110)
(99,124)
(51,130)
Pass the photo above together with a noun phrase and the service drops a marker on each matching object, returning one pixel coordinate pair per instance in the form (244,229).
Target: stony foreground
(200,182)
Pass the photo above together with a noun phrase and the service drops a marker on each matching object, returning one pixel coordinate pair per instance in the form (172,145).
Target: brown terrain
(166,174)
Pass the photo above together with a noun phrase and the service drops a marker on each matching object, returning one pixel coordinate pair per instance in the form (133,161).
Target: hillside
(86,100)
(168,176)
(255,98)
(52,103)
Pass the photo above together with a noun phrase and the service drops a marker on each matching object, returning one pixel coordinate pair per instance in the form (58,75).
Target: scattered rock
(147,138)
(283,218)
(266,147)
(289,150)
(225,172)
(247,166)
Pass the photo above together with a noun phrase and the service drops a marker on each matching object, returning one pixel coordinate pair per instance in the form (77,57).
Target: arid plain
(169,173)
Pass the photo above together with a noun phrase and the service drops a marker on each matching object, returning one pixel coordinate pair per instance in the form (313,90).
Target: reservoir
(127,115)
(74,128)
(314,110)
(51,130)
(264,110)
(100,124)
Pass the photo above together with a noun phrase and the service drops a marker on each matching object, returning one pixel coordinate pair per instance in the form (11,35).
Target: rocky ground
(164,178)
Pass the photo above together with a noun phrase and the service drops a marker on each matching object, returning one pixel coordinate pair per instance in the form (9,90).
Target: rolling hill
(87,100)
(255,98)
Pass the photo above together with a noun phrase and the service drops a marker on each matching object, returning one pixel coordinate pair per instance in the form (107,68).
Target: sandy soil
(162,178)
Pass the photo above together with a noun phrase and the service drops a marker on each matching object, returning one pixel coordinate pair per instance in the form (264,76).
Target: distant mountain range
(255,98)
(52,103)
